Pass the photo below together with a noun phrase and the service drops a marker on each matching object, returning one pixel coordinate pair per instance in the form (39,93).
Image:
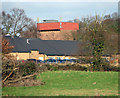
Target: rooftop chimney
(28,41)
(37,19)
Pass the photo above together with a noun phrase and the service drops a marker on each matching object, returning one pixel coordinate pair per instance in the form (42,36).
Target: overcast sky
(68,10)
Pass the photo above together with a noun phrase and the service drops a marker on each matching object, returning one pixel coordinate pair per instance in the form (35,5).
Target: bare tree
(31,32)
(114,15)
(6,23)
(15,22)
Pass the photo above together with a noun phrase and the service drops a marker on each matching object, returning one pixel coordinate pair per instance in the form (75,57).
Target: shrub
(78,67)
(16,72)
(110,68)
(28,68)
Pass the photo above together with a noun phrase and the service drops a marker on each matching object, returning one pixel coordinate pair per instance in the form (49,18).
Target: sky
(51,9)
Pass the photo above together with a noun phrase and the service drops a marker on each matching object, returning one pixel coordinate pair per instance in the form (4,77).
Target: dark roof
(48,47)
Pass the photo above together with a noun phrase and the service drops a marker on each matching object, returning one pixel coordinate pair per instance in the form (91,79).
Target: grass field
(70,83)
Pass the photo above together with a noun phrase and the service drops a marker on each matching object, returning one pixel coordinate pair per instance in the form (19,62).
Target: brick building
(54,30)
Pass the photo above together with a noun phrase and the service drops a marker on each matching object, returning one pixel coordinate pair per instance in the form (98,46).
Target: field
(70,83)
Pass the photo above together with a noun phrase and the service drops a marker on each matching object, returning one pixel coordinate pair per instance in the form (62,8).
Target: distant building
(35,48)
(54,30)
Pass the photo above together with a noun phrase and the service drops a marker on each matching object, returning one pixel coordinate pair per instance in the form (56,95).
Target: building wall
(21,56)
(50,35)
(56,35)
(65,32)
(36,55)
(114,60)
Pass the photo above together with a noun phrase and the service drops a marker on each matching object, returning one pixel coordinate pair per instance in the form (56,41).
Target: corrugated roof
(57,25)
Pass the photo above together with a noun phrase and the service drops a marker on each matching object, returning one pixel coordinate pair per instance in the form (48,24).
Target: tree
(110,26)
(111,41)
(31,32)
(76,20)
(95,31)
(114,15)
(15,22)
(6,23)
(100,37)
(107,16)
(6,47)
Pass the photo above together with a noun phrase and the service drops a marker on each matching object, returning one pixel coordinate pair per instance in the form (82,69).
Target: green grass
(70,83)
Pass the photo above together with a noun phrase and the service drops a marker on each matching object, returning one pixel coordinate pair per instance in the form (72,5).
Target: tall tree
(110,26)
(15,22)
(100,36)
(95,32)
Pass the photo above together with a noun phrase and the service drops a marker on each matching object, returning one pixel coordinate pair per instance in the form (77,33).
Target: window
(40,58)
(51,57)
(66,57)
(60,58)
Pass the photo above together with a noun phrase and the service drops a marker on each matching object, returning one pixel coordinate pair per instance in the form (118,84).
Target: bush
(16,72)
(28,68)
(56,67)
(110,68)
(78,67)
(13,70)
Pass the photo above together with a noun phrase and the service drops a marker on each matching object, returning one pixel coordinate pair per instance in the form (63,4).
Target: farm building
(35,48)
(54,30)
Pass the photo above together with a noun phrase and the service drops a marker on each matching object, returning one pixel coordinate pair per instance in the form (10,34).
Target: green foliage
(96,37)
(28,68)
(79,67)
(70,83)
(99,36)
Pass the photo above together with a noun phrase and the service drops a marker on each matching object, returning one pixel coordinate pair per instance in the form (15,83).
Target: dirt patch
(26,82)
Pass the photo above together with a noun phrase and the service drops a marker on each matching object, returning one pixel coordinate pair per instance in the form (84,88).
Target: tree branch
(23,77)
